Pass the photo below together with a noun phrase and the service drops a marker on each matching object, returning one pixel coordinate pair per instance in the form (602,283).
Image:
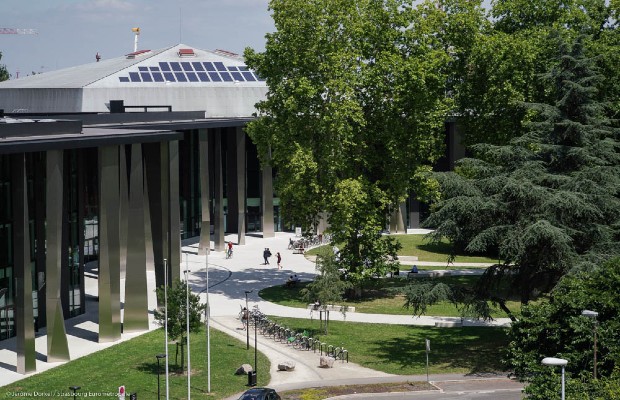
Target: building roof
(181,77)
(180,64)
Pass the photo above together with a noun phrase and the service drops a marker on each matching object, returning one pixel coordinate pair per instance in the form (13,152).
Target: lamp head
(249,291)
(553,361)
(160,356)
(74,388)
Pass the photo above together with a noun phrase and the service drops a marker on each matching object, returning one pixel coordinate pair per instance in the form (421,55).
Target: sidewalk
(228,281)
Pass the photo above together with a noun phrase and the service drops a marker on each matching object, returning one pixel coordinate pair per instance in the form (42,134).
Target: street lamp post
(166,326)
(255,347)
(189,368)
(159,357)
(593,315)
(553,362)
(247,328)
(75,389)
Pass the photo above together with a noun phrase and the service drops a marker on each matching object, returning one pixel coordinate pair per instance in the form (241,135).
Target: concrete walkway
(229,279)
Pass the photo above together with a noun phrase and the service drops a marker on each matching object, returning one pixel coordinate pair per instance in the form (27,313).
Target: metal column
(205,225)
(267,202)
(109,245)
(57,346)
(24,321)
(241,192)
(174,209)
(219,194)
(136,296)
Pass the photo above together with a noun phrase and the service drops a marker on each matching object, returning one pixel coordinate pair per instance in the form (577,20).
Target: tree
(327,287)
(505,59)
(177,316)
(547,201)
(555,327)
(4,73)
(355,113)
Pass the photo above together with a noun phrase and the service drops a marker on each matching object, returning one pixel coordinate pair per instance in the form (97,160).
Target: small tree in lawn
(177,317)
(328,287)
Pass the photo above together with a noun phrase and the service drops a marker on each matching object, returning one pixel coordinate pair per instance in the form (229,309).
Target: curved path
(229,279)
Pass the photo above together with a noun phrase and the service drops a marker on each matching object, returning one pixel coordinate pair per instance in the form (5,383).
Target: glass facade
(80,234)
(7,327)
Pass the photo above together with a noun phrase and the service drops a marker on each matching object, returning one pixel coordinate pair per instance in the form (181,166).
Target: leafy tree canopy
(556,328)
(547,201)
(355,111)
(177,310)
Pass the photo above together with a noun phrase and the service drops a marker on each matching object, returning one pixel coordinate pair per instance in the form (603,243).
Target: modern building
(111,165)
(114,162)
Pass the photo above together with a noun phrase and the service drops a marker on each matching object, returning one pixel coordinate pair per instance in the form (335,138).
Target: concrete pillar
(267,201)
(136,295)
(205,224)
(22,268)
(241,192)
(57,346)
(218,194)
(109,245)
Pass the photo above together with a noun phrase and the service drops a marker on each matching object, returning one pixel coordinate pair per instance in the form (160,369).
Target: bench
(448,324)
(428,274)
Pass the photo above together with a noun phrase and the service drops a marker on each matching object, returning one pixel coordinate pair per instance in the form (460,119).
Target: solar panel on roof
(233,68)
(180,77)
(175,66)
(226,76)
(158,77)
(169,77)
(134,77)
(143,69)
(186,66)
(215,77)
(154,68)
(243,68)
(192,76)
(198,66)
(203,77)
(164,66)
(146,77)
(209,66)
(219,66)
(123,79)
(237,76)
(248,76)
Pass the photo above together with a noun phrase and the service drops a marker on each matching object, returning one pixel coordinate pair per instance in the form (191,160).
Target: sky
(72,32)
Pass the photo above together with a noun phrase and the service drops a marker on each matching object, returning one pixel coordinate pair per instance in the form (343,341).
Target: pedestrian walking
(279,260)
(266,255)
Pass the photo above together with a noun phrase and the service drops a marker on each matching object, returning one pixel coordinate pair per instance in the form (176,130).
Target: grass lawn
(416,245)
(382,299)
(400,349)
(133,364)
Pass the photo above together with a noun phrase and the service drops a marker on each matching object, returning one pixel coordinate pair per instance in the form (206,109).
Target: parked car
(260,394)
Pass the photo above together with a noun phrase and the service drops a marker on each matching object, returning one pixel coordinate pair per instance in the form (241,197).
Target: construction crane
(13,31)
